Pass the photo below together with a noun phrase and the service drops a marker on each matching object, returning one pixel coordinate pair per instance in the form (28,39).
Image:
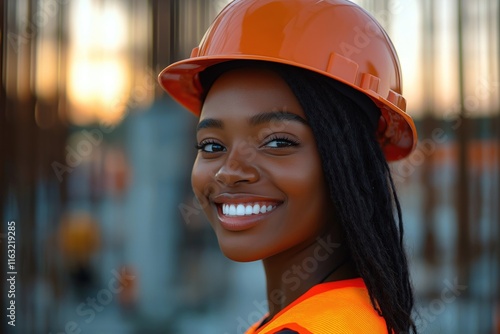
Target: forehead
(241,93)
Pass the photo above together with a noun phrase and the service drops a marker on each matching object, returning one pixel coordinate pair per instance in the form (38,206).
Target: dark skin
(257,150)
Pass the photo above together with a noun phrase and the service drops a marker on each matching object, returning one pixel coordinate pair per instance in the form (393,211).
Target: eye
(210,146)
(281,142)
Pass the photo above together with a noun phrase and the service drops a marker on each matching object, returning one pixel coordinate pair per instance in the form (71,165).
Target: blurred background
(96,164)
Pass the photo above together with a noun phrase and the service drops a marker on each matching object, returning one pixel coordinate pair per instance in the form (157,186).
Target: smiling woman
(295,131)
(259,157)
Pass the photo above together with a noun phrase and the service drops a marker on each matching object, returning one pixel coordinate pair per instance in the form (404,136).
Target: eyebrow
(281,116)
(210,123)
(262,118)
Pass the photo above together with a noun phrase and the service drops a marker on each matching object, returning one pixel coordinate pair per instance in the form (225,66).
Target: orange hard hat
(336,38)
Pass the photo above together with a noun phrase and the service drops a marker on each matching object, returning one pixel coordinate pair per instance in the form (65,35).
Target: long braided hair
(362,190)
(359,182)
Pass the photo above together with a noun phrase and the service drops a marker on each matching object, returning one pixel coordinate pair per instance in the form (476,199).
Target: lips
(238,212)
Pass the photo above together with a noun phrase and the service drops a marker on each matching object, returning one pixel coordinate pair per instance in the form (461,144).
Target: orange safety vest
(328,308)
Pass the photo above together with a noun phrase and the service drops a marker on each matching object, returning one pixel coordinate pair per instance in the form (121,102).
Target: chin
(239,254)
(245,252)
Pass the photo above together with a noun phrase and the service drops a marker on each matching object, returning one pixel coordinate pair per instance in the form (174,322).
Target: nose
(237,170)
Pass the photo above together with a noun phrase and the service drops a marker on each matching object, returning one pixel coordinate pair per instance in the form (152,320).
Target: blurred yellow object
(79,237)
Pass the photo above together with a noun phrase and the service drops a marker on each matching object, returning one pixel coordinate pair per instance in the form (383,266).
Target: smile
(246,209)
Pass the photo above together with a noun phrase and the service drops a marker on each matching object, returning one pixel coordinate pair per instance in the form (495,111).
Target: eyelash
(204,143)
(281,138)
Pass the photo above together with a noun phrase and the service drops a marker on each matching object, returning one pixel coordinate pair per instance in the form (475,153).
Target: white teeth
(245,209)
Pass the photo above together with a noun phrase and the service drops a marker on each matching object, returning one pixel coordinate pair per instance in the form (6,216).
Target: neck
(292,273)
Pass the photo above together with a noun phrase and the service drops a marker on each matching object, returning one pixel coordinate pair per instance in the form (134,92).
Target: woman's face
(258,174)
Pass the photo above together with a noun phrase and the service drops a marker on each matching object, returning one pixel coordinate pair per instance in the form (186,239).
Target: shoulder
(337,307)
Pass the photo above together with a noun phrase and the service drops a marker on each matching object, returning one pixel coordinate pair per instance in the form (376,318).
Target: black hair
(343,121)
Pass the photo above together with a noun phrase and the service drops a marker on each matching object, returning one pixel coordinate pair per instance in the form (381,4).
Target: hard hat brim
(398,136)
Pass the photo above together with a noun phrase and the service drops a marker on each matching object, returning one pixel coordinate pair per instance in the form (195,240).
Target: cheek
(307,192)
(197,177)
(305,179)
(202,182)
